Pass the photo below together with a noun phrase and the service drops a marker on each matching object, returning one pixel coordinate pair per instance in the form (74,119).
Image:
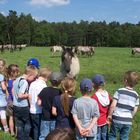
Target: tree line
(23,29)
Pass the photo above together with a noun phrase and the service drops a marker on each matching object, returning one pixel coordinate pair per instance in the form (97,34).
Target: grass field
(111,62)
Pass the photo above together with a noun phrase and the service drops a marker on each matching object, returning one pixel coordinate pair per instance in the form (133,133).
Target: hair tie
(66,91)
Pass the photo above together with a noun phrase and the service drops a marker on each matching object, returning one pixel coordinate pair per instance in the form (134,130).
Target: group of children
(37,110)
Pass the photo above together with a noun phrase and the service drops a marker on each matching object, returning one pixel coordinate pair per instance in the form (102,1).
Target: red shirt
(103,111)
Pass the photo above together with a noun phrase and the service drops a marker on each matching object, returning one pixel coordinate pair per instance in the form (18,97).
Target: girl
(12,73)
(3,92)
(63,103)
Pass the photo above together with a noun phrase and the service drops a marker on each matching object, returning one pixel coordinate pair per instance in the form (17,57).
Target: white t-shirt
(34,89)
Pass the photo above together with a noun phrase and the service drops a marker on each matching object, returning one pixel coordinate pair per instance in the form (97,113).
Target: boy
(45,99)
(20,102)
(103,99)
(85,113)
(124,106)
(34,90)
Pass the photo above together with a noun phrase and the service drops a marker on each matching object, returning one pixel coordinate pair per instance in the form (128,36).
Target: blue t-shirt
(9,88)
(20,86)
(3,101)
(63,121)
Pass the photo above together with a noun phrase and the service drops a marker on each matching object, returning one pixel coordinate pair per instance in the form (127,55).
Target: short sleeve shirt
(63,121)
(47,95)
(20,86)
(86,109)
(3,101)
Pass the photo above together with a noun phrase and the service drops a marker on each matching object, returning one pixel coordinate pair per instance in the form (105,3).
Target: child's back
(124,106)
(85,112)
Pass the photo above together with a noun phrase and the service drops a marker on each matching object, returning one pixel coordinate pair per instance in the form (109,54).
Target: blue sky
(70,10)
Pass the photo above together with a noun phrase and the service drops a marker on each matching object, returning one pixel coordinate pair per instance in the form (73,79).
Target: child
(45,99)
(34,90)
(3,93)
(61,134)
(103,99)
(63,103)
(124,106)
(20,102)
(85,113)
(12,73)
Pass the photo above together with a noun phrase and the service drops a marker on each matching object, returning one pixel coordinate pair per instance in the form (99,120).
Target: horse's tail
(133,52)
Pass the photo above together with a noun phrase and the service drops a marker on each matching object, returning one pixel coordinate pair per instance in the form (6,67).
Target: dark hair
(12,71)
(61,134)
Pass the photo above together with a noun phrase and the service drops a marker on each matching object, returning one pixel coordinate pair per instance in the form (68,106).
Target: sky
(76,10)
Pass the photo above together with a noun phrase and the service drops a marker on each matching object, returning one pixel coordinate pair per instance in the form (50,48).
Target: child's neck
(130,88)
(86,96)
(41,78)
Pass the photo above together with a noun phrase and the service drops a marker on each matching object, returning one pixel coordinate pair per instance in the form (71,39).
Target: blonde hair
(31,70)
(131,78)
(68,86)
(3,67)
(45,72)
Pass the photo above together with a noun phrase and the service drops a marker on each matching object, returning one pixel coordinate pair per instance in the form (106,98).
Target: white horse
(70,65)
(85,50)
(55,49)
(135,50)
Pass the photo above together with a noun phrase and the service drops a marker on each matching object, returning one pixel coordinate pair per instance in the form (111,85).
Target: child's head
(13,71)
(2,66)
(68,85)
(86,86)
(61,134)
(34,62)
(56,78)
(98,81)
(31,73)
(131,78)
(45,73)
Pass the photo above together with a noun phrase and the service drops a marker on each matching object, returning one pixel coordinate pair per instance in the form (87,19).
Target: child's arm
(23,95)
(92,123)
(80,128)
(4,87)
(135,110)
(111,109)
(39,101)
(54,111)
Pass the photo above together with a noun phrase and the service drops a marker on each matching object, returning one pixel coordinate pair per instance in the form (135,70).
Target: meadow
(111,62)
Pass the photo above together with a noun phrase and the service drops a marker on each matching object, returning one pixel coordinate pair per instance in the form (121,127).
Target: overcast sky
(76,10)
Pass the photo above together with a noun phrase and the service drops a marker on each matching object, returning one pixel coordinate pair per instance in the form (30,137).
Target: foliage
(23,29)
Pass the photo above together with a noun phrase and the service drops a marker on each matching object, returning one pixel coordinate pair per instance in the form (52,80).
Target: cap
(98,79)
(56,76)
(34,62)
(86,85)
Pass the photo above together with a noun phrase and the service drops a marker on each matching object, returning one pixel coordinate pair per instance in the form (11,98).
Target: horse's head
(66,58)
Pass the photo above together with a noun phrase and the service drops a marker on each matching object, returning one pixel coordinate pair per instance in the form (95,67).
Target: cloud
(49,3)
(3,13)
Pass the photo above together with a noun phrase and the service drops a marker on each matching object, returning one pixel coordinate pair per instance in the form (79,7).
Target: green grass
(111,62)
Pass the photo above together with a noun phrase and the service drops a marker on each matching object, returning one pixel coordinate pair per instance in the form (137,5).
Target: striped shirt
(127,100)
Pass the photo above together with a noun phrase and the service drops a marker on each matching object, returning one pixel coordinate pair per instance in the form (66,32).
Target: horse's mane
(69,51)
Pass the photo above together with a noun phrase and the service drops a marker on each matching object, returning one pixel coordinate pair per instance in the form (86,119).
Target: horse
(84,50)
(70,65)
(135,50)
(55,49)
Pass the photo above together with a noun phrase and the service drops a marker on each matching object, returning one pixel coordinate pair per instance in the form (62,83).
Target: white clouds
(49,3)
(2,12)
